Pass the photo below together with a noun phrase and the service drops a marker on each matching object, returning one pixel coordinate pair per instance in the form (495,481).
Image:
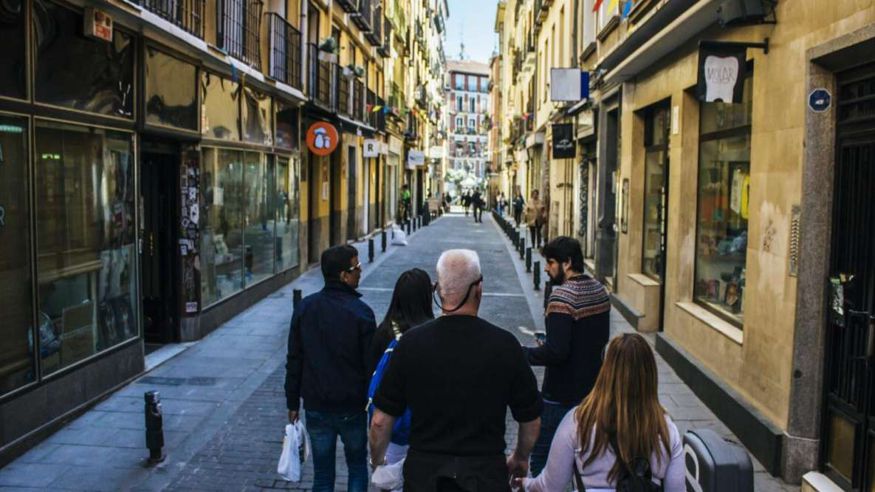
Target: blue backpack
(401,430)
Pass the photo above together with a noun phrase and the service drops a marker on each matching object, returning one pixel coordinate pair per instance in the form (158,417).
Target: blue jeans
(550,418)
(324,428)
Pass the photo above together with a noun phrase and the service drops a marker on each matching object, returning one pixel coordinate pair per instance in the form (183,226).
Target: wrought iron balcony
(358,100)
(285,51)
(364,17)
(185,14)
(321,79)
(238,29)
(348,5)
(375,35)
(343,91)
(385,49)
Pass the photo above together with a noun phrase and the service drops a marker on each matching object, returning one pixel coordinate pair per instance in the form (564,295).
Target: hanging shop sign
(569,84)
(322,138)
(98,24)
(415,158)
(563,141)
(722,68)
(371,148)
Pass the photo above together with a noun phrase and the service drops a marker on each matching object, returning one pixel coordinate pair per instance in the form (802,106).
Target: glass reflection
(12,77)
(78,72)
(171,85)
(16,308)
(287,213)
(256,117)
(85,235)
(259,219)
(221,225)
(221,107)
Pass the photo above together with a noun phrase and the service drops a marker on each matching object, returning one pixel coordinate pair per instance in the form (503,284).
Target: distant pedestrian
(406,203)
(466,201)
(578,322)
(478,202)
(410,306)
(536,215)
(328,366)
(518,206)
(501,203)
(620,425)
(458,375)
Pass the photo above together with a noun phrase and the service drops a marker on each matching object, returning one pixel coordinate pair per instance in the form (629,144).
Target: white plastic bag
(399,237)
(389,477)
(295,452)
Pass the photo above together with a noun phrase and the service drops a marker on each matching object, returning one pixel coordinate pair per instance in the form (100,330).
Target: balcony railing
(364,17)
(285,51)
(386,48)
(185,14)
(239,29)
(320,78)
(375,35)
(380,123)
(348,5)
(358,100)
(343,89)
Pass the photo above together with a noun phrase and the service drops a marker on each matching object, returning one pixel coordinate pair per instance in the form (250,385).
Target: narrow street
(223,396)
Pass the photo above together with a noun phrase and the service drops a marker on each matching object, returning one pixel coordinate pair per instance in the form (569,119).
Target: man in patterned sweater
(578,321)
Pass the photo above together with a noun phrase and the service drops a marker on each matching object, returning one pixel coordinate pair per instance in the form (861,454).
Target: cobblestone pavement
(224,396)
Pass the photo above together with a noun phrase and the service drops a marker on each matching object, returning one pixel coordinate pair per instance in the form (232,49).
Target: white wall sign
(371,149)
(415,158)
(568,84)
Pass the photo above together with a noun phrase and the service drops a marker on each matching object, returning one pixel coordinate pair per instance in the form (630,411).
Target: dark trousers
(324,429)
(517,216)
(550,418)
(535,232)
(427,472)
(478,213)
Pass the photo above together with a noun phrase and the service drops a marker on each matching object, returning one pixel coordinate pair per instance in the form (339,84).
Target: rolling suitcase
(713,464)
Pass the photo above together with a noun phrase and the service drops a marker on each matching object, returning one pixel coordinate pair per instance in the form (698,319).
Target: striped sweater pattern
(579,297)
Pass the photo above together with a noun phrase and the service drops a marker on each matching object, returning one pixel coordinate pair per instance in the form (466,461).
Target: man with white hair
(458,375)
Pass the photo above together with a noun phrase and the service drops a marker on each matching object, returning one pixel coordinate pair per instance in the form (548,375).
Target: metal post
(370,250)
(528,260)
(383,241)
(522,247)
(409,225)
(296,298)
(537,275)
(154,427)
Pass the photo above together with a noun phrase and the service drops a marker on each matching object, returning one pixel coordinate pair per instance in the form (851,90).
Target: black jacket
(329,351)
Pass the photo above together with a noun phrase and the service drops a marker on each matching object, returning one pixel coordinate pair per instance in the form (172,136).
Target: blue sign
(819,100)
(584,85)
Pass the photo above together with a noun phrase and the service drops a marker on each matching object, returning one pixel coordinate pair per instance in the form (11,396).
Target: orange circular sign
(322,138)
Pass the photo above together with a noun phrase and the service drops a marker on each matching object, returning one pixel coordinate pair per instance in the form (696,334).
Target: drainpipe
(305,42)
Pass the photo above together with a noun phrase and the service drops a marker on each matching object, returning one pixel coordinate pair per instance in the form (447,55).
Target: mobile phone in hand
(541,337)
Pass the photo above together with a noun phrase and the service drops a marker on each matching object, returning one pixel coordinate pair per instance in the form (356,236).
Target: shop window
(171,97)
(259,218)
(85,233)
(78,72)
(222,252)
(656,127)
(16,304)
(287,214)
(286,126)
(12,56)
(256,117)
(221,107)
(723,206)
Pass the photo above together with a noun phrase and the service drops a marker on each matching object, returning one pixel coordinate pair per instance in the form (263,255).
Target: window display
(221,218)
(257,117)
(171,91)
(287,213)
(221,107)
(655,191)
(12,58)
(85,235)
(287,134)
(16,308)
(259,218)
(723,207)
(78,72)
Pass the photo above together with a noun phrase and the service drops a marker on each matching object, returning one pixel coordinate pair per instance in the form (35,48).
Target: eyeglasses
(357,267)
(436,297)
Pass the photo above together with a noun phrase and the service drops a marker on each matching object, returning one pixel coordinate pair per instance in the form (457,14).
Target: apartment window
(460,122)
(12,56)
(589,23)
(723,205)
(459,104)
(472,104)
(607,11)
(484,84)
(460,82)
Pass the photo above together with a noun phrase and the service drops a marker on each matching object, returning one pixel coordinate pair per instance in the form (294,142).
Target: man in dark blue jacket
(327,366)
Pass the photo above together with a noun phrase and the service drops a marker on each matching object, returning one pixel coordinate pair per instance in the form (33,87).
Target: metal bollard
(370,250)
(537,275)
(383,240)
(154,427)
(528,260)
(522,247)
(408,226)
(296,298)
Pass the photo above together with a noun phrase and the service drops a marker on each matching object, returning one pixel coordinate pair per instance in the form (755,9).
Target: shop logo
(322,138)
(721,75)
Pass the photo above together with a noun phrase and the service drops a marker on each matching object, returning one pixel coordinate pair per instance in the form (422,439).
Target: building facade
(165,165)
(469,120)
(728,223)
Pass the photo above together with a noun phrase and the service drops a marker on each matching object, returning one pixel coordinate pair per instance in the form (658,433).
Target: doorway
(848,443)
(351,186)
(657,121)
(158,185)
(314,196)
(366,188)
(334,208)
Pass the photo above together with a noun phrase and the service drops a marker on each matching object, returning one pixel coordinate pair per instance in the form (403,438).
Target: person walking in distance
(619,427)
(578,322)
(406,203)
(328,366)
(535,218)
(410,307)
(478,203)
(458,374)
(466,201)
(518,206)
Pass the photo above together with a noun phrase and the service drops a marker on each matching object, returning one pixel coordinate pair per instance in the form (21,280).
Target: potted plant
(328,49)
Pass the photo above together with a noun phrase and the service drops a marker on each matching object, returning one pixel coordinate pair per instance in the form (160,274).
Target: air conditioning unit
(744,12)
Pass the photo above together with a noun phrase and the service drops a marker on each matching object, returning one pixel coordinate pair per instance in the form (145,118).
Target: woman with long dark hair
(620,422)
(410,307)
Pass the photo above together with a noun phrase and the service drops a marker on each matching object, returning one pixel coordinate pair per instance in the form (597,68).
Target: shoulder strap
(396,330)
(578,480)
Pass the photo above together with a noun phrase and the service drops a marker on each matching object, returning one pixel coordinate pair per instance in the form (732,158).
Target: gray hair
(457,269)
